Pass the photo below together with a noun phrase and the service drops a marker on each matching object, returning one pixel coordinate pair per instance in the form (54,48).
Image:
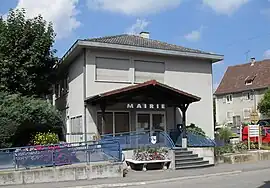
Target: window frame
(113,112)
(231,97)
(229,120)
(244,109)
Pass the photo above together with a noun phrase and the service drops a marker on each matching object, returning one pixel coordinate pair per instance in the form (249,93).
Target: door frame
(151,118)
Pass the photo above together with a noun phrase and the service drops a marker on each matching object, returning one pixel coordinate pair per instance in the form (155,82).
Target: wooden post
(183,108)
(103,108)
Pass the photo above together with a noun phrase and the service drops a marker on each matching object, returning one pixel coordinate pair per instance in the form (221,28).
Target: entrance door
(150,121)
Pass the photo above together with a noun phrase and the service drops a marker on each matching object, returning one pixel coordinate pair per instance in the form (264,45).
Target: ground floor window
(115,122)
(76,125)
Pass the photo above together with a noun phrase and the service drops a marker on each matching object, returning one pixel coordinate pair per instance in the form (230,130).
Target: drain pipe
(84,95)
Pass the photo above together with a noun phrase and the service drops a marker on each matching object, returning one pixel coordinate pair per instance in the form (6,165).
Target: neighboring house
(104,86)
(241,89)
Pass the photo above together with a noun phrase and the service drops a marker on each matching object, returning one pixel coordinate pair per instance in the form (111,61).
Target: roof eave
(82,43)
(213,57)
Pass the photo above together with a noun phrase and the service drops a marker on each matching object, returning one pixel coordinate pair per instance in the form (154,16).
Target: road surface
(251,179)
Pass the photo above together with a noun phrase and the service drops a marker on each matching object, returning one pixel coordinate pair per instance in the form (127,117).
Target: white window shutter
(224,99)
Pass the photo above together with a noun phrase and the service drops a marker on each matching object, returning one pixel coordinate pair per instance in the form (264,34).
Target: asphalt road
(251,179)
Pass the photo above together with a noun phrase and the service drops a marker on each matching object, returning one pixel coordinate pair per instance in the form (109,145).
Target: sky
(237,29)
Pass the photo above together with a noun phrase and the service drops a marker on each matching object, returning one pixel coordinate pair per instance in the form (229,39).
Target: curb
(158,181)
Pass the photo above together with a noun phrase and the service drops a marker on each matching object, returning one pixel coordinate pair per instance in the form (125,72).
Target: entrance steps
(185,159)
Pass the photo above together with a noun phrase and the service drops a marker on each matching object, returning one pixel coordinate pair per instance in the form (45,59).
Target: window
(76,125)
(229,116)
(115,122)
(246,113)
(112,69)
(121,122)
(229,98)
(249,80)
(57,90)
(108,129)
(147,70)
(248,96)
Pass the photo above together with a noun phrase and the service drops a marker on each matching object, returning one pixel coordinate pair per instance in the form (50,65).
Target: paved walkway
(157,175)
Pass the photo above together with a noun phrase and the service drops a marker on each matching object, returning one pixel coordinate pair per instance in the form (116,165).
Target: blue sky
(228,27)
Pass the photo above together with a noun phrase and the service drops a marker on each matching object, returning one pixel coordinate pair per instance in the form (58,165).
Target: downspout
(84,95)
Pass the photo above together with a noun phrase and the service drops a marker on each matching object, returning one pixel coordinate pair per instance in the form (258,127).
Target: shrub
(240,147)
(21,117)
(224,149)
(195,130)
(45,139)
(225,134)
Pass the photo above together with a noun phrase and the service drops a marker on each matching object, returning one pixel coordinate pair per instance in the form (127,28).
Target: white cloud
(194,35)
(266,54)
(138,26)
(62,13)
(227,7)
(133,7)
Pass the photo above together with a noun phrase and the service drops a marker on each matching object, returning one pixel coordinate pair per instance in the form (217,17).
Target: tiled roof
(234,79)
(138,41)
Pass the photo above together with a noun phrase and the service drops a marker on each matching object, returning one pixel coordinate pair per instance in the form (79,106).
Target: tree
(22,117)
(264,104)
(26,54)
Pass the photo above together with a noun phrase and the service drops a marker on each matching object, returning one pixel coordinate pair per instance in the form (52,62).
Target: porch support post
(183,108)
(103,109)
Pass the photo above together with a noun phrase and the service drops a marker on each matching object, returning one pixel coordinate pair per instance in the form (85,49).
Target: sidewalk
(157,175)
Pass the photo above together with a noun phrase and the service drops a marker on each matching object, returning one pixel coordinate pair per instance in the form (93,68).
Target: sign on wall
(146,106)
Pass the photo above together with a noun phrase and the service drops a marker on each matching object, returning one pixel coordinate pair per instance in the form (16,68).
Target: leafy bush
(21,117)
(45,139)
(195,130)
(240,147)
(225,134)
(224,149)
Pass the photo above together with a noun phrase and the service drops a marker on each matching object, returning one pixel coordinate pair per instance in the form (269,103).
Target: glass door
(143,122)
(158,122)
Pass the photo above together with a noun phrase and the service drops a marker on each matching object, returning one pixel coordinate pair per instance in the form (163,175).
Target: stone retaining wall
(64,173)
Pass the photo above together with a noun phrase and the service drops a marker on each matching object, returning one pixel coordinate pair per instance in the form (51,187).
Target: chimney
(144,34)
(252,61)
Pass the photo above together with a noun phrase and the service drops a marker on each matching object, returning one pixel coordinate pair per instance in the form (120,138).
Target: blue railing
(58,155)
(194,139)
(134,140)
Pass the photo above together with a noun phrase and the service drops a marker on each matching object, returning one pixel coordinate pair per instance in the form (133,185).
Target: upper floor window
(112,69)
(149,70)
(229,98)
(247,95)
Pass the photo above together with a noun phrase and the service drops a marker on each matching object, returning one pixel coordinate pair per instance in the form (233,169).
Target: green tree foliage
(22,117)
(45,138)
(26,54)
(195,130)
(225,134)
(264,104)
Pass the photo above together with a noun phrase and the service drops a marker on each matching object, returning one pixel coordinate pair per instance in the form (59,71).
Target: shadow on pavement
(265,185)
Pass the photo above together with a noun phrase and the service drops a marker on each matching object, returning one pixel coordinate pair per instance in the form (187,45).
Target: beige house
(125,83)
(240,91)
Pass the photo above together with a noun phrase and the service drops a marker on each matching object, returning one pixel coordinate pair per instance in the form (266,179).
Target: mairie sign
(146,106)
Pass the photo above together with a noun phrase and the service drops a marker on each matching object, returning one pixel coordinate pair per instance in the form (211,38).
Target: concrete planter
(249,156)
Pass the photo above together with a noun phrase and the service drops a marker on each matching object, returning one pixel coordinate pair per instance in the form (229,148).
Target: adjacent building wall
(237,106)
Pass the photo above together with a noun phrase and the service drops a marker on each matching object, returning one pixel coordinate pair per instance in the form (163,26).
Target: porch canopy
(150,92)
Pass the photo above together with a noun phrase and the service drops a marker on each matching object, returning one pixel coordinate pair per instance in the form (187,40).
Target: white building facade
(96,67)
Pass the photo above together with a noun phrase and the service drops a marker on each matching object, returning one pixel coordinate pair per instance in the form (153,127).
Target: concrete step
(187,156)
(179,148)
(193,159)
(182,152)
(194,166)
(191,163)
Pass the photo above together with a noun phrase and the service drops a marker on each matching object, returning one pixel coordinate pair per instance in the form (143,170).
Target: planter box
(148,165)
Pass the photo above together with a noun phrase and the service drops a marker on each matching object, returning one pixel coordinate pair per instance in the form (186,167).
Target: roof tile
(234,78)
(138,41)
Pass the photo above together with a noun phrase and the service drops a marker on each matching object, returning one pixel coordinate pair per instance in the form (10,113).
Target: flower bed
(149,154)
